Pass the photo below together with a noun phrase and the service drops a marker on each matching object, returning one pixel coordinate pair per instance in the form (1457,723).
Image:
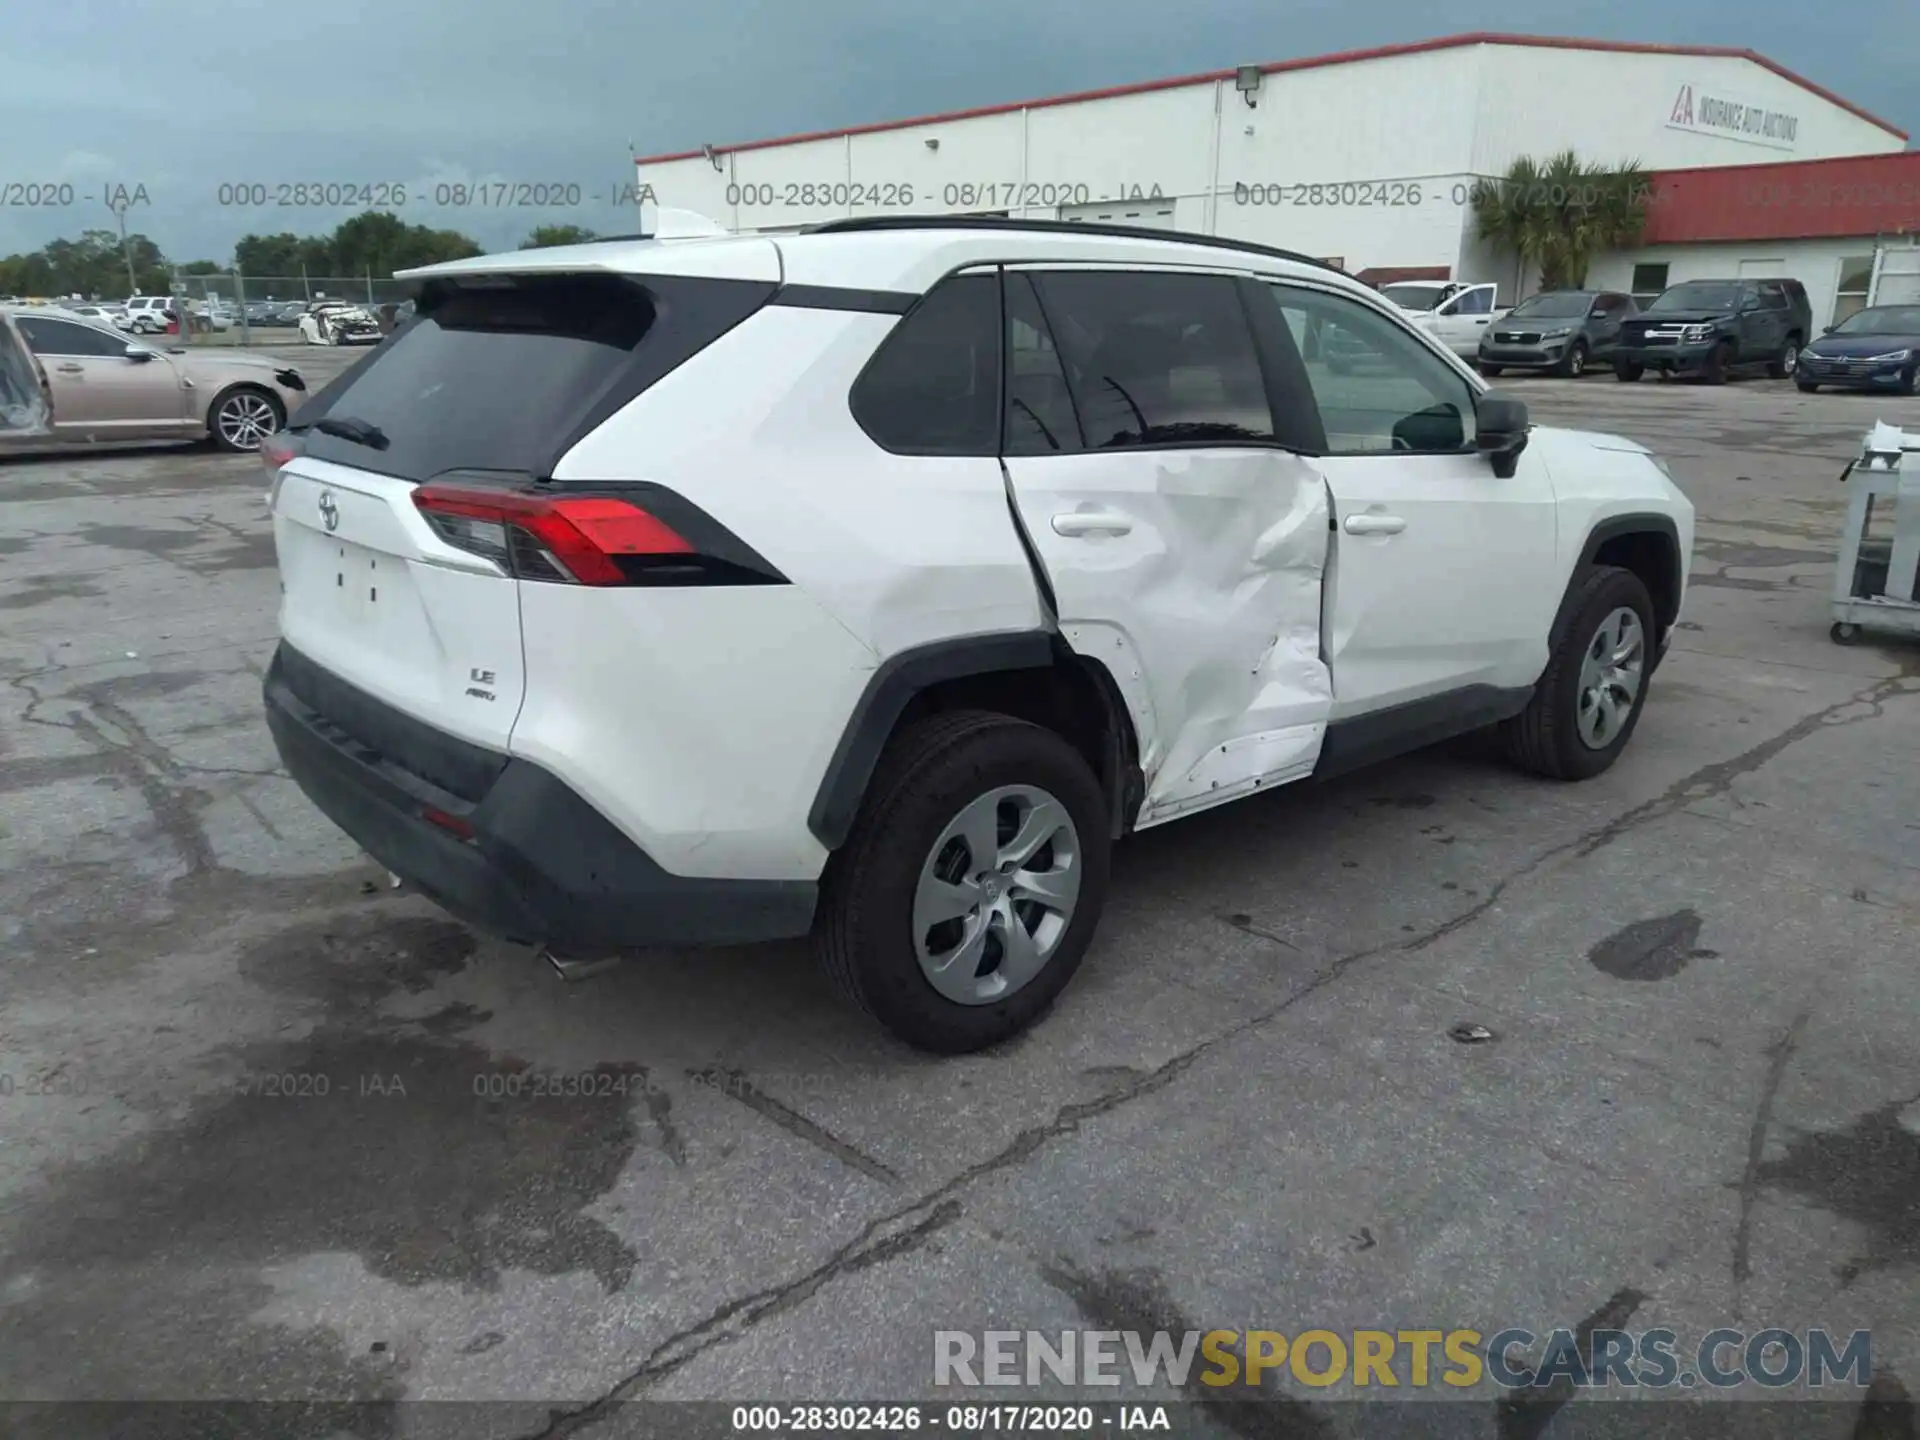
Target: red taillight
(452,824)
(576,538)
(276,450)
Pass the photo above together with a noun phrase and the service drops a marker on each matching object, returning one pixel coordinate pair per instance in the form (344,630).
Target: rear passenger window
(1156,359)
(933,386)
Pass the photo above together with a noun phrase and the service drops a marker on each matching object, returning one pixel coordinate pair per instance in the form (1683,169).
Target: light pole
(119,209)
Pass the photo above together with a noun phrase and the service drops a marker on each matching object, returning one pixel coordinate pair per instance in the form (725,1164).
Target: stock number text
(301,193)
(835,1418)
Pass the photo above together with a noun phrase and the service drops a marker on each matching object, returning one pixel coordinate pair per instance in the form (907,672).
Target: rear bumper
(541,866)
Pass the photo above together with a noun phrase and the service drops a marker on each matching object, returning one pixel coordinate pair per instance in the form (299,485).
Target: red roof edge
(1311,62)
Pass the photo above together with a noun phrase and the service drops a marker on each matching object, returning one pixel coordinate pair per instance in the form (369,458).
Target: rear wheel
(1588,701)
(242,417)
(1787,361)
(966,896)
(1628,370)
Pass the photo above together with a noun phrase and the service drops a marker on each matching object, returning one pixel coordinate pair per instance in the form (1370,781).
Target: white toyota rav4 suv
(872,581)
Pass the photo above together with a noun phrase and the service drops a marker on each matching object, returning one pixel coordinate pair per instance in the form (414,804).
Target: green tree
(92,264)
(1560,213)
(545,237)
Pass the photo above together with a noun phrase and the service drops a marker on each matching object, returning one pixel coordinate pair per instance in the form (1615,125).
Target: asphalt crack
(735,1318)
(1779,1056)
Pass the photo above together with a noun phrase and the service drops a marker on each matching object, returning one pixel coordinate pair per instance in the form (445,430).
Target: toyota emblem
(329,511)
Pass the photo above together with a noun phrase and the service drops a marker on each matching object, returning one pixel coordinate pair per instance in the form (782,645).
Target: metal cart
(1874,586)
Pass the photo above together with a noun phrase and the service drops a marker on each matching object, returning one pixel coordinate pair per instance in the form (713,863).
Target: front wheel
(1910,380)
(1492,372)
(1718,362)
(1628,370)
(1807,387)
(242,417)
(1588,701)
(966,896)
(1574,363)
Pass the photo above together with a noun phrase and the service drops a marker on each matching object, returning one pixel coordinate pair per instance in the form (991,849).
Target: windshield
(1882,320)
(1562,305)
(1699,295)
(1413,297)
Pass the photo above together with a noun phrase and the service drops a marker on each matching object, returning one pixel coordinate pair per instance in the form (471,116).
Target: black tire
(1544,738)
(1492,372)
(930,771)
(233,397)
(1787,361)
(1910,380)
(1844,634)
(1807,387)
(1574,363)
(1628,370)
(1718,362)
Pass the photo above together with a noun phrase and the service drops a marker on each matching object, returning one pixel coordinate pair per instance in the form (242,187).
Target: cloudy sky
(185,97)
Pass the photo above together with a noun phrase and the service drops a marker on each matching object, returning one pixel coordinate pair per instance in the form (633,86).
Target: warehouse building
(1366,158)
(1848,229)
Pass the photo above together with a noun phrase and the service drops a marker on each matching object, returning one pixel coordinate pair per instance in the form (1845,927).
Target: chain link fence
(235,309)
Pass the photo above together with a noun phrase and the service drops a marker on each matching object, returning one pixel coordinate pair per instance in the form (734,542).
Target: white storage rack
(1865,596)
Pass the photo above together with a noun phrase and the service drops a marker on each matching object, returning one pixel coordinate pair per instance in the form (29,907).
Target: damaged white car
(336,322)
(960,548)
(66,380)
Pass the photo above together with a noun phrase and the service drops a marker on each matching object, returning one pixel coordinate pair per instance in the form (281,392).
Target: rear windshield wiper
(360,432)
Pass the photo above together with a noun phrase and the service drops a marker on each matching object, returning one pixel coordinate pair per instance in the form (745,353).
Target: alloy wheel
(245,420)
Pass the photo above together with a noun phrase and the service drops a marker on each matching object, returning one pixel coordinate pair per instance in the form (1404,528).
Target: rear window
(507,373)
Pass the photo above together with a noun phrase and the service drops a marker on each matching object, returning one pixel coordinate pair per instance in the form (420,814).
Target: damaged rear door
(1184,542)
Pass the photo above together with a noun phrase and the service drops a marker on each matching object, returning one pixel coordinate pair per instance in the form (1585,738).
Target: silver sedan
(67,380)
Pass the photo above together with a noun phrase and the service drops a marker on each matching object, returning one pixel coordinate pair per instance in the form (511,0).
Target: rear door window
(1154,358)
(508,372)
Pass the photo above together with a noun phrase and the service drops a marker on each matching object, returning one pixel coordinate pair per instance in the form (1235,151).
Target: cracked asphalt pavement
(266,1130)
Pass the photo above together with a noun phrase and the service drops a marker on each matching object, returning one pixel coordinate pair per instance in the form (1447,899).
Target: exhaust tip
(576,967)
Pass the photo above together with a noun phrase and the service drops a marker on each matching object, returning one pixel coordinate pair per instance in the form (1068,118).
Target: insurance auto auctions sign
(1709,112)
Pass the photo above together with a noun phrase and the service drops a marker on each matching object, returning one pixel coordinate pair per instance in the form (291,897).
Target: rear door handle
(72,369)
(1374,525)
(1092,522)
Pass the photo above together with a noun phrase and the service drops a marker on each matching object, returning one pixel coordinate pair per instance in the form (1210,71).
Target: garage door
(1147,214)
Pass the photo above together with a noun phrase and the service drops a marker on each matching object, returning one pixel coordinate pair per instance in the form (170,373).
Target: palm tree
(1561,213)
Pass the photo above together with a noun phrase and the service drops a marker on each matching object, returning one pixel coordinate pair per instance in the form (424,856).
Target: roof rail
(1057,227)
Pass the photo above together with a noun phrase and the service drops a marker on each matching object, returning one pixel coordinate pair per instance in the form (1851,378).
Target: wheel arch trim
(1614,527)
(889,690)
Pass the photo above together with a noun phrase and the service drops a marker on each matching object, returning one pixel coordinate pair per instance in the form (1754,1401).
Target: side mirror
(1828,330)
(137,353)
(1500,431)
(1598,312)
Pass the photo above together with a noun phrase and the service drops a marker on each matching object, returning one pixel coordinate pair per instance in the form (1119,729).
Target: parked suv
(1710,327)
(872,581)
(1557,330)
